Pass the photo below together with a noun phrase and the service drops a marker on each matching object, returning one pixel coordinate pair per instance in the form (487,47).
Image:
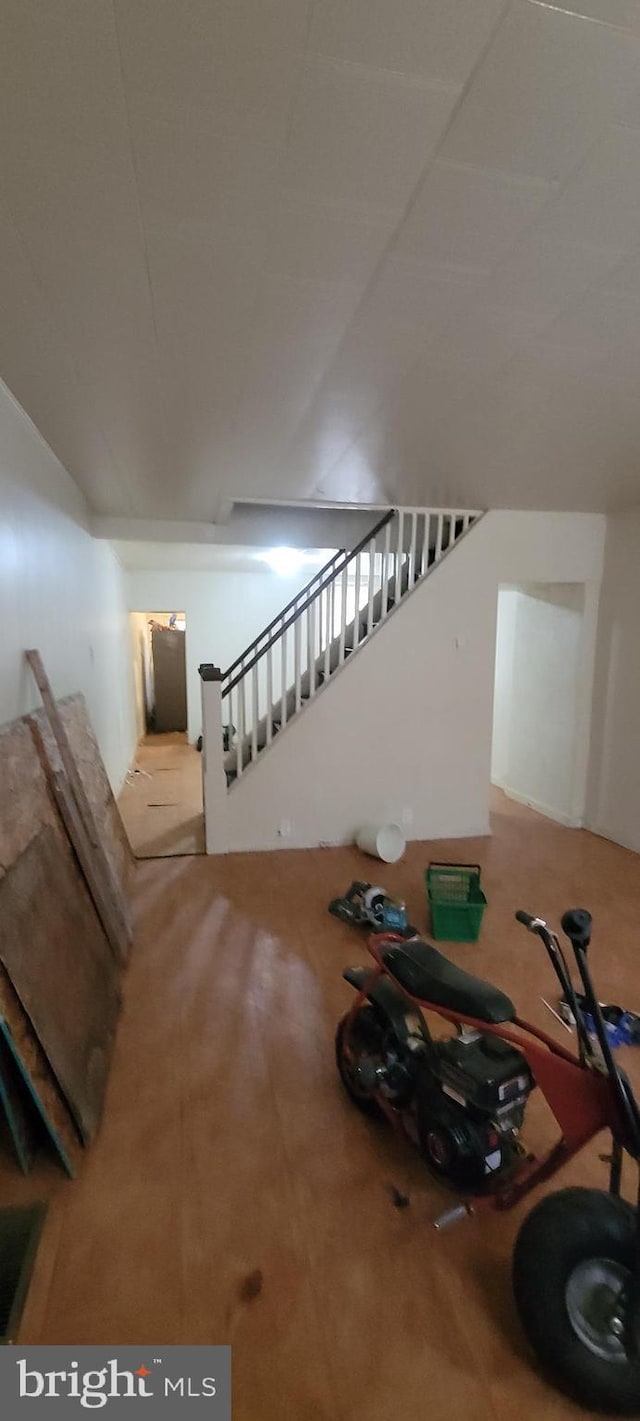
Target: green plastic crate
(456,900)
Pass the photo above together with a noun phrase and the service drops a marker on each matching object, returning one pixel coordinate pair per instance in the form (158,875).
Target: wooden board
(60,965)
(114,929)
(17,1032)
(24,1125)
(119,908)
(25,802)
(80,734)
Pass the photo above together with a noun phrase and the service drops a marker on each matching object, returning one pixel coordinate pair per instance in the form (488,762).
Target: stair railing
(281,655)
(323,624)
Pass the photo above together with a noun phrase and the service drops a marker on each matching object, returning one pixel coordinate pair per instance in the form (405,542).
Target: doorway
(161,803)
(545,644)
(160,672)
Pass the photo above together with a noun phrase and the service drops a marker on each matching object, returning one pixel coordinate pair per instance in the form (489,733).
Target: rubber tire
(564,1229)
(366,1104)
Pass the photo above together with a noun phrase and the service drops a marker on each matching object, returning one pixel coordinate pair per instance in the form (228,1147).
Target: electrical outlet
(407,814)
(284,828)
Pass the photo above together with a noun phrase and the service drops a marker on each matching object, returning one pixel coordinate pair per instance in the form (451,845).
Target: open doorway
(161,803)
(544,666)
(160,672)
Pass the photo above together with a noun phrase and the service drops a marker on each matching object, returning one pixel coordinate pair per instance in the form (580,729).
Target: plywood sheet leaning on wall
(35,1071)
(84,748)
(26,803)
(75,718)
(60,964)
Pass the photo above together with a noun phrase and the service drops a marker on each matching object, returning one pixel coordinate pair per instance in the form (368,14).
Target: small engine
(471,1092)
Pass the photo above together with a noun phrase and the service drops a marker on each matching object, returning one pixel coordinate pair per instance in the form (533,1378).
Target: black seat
(425,973)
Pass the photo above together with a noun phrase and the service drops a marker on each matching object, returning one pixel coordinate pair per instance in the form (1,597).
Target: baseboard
(540,807)
(293,845)
(603,832)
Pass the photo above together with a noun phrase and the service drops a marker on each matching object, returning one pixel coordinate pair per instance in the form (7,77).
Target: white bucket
(382,841)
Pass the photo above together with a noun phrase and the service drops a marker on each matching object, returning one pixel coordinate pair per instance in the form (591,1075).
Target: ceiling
(360,250)
(149,556)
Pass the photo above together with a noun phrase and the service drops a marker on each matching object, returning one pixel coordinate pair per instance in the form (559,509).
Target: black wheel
(573,1266)
(356,1070)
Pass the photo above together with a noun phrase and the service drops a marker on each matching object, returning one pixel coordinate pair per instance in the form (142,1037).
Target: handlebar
(531,923)
(577,925)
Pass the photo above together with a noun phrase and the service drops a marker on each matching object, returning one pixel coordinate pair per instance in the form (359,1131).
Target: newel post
(214,781)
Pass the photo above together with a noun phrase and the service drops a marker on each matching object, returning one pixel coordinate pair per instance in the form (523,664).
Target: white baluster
(343,615)
(356,619)
(372,557)
(466,521)
(412,550)
(385,572)
(399,557)
(255,711)
(423,543)
(328,636)
(311,643)
(283,679)
(227,716)
(269,696)
(438,554)
(241,724)
(332,600)
(296,662)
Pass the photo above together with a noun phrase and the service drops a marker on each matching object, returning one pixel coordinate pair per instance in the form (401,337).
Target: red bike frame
(583,1101)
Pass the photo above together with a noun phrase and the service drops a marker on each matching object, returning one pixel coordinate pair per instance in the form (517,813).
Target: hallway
(161,802)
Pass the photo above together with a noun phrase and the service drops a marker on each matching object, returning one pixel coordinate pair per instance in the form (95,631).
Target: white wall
(544,660)
(407,724)
(138,631)
(60,591)
(224,612)
(613,805)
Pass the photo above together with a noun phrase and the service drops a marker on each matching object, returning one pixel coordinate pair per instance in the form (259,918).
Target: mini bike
(462,1100)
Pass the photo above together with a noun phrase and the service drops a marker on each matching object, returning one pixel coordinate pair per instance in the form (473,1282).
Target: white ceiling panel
(603,321)
(470,217)
(363,135)
(315,239)
(403,318)
(203,285)
(547,85)
(191,179)
(601,204)
(624,277)
(410,307)
(483,336)
(440,40)
(548,276)
(202,64)
(51,387)
(298,326)
(60,83)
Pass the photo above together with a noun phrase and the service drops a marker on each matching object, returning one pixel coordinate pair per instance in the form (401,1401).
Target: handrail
(283,613)
(364,542)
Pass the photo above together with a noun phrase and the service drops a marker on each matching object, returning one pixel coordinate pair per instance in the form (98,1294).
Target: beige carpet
(161,803)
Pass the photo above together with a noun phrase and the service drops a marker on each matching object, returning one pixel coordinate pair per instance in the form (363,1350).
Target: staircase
(312,638)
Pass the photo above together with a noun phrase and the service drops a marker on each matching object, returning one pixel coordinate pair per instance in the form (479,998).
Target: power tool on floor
(369,906)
